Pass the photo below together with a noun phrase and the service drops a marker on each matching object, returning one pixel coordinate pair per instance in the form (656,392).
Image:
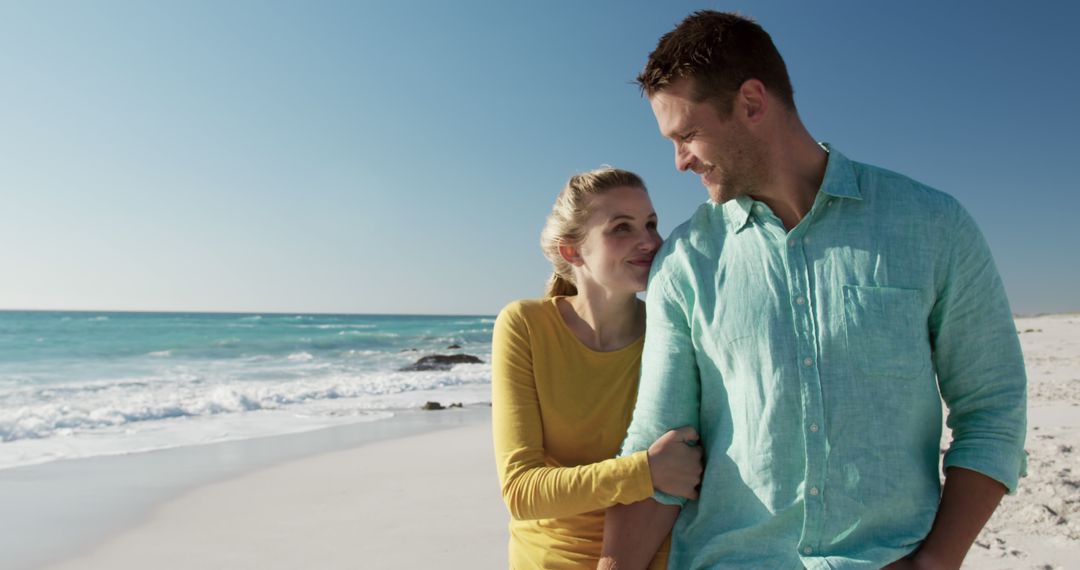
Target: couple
(807,322)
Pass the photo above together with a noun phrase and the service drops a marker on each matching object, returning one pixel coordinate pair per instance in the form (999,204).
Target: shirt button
(808,550)
(791,243)
(800,300)
(814,491)
(808,361)
(814,428)
(806,240)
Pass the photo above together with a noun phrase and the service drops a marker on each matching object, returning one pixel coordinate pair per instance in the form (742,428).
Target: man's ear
(570,254)
(751,100)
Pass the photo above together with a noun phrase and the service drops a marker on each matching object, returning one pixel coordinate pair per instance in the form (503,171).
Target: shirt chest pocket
(886,330)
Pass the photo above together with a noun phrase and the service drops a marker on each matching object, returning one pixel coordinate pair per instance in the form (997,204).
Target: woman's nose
(650,243)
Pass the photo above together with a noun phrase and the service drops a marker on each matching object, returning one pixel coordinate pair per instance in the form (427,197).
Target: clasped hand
(675,463)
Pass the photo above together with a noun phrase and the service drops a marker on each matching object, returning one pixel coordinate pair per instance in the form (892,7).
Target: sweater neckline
(553,305)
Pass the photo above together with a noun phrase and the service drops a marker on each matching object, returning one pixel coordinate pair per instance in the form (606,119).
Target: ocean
(83,384)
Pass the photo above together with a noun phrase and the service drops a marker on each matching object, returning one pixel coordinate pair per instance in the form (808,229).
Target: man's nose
(683,158)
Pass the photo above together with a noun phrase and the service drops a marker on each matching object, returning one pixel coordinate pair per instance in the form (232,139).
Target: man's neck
(796,170)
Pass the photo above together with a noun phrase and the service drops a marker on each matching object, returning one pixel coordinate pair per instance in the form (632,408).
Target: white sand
(423,501)
(1039,526)
(432,500)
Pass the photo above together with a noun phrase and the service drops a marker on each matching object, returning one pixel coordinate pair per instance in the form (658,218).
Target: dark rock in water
(407,350)
(458,405)
(453,347)
(441,362)
(433,406)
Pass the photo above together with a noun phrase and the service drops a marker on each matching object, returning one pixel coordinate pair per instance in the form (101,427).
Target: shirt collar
(839,178)
(737,211)
(839,181)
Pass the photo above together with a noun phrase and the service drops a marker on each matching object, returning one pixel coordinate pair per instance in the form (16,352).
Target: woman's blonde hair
(566,222)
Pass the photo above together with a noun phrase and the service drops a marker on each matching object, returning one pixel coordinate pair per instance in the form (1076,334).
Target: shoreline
(420,489)
(61,510)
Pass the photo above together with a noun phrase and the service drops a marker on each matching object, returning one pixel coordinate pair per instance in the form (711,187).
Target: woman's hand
(675,463)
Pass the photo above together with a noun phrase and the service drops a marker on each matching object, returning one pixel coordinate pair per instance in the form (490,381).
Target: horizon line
(203,312)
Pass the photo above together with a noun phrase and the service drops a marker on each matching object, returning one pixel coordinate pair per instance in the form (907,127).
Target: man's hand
(675,463)
(967,501)
(915,563)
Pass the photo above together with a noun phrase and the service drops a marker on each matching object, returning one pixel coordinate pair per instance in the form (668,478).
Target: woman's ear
(570,254)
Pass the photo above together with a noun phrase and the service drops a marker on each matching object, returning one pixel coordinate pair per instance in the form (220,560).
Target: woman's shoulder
(525,308)
(535,315)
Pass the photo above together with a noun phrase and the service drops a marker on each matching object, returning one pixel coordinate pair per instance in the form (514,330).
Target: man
(808,321)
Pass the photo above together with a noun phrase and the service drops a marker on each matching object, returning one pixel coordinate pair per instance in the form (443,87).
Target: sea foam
(94,410)
(134,381)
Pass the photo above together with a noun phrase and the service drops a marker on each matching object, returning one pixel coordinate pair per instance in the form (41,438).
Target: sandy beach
(421,501)
(1039,526)
(431,499)
(425,500)
(424,477)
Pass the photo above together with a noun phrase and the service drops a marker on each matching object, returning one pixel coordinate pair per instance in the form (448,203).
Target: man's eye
(651,225)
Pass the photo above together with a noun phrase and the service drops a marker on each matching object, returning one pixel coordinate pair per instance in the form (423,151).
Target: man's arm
(980,371)
(669,396)
(977,357)
(634,532)
(967,501)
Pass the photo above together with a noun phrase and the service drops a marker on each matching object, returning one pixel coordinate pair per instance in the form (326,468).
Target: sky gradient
(387,157)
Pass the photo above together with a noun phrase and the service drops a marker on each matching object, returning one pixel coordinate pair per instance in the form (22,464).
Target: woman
(565,375)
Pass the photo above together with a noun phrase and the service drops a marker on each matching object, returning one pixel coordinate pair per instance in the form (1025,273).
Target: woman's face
(620,240)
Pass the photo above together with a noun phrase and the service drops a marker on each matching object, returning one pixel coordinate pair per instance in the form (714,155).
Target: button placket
(802,310)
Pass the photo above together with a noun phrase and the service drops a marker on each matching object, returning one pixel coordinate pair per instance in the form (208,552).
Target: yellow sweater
(560,412)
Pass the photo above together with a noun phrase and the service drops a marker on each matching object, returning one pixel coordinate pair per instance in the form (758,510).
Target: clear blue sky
(400,157)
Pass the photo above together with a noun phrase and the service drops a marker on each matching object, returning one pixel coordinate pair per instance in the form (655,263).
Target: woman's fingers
(675,462)
(687,434)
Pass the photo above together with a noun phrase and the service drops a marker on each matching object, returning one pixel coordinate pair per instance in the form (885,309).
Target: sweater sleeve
(531,488)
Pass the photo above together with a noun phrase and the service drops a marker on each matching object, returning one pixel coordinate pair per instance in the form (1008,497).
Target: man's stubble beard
(747,174)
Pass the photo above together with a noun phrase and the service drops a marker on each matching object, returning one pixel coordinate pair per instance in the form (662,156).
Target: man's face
(722,151)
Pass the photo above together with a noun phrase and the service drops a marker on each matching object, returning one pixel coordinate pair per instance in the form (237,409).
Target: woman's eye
(621,228)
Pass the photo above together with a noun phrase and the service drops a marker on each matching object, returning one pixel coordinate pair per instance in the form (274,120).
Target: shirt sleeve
(978,361)
(669,394)
(531,488)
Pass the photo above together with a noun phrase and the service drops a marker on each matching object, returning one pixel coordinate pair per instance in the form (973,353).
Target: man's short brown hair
(719,51)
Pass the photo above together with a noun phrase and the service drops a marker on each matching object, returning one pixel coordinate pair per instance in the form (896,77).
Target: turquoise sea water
(76,384)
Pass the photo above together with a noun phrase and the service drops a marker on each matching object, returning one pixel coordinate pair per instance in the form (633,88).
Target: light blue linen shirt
(811,363)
